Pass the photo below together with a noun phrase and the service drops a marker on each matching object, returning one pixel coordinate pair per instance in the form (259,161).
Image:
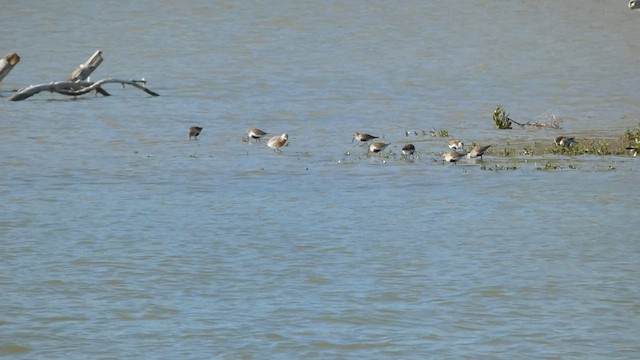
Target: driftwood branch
(82,72)
(72,88)
(7,64)
(78,83)
(550,121)
(538,124)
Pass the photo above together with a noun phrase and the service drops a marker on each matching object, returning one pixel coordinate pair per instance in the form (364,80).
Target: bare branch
(82,72)
(7,64)
(72,88)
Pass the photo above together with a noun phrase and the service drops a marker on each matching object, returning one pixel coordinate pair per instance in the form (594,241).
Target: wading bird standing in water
(455,144)
(477,151)
(377,147)
(255,134)
(408,150)
(277,142)
(194,131)
(452,156)
(363,137)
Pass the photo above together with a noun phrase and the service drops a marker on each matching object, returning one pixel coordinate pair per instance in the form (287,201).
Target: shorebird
(363,137)
(633,4)
(455,144)
(255,134)
(477,151)
(377,147)
(452,156)
(194,131)
(568,141)
(408,149)
(564,141)
(277,142)
(557,140)
(634,151)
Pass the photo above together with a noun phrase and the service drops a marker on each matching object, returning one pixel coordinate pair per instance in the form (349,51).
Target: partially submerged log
(72,88)
(78,83)
(7,64)
(82,72)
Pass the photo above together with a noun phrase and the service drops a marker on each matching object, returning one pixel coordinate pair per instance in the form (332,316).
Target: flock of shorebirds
(408,150)
(275,142)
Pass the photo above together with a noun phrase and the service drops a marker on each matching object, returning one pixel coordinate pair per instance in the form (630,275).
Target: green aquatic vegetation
(501,119)
(568,150)
(383,154)
(632,135)
(602,148)
(506,152)
(439,133)
(388,154)
(590,147)
(599,147)
(550,166)
(498,167)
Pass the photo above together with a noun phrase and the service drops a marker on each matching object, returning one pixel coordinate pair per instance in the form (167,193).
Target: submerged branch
(72,88)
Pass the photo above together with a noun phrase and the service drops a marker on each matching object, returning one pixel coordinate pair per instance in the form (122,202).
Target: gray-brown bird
(363,137)
(255,134)
(277,142)
(194,131)
(564,141)
(477,151)
(455,144)
(408,150)
(452,156)
(377,147)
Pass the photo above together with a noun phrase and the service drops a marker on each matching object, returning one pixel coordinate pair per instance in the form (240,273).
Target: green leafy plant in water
(549,167)
(438,133)
(501,118)
(632,135)
(589,147)
(602,148)
(498,167)
(384,154)
(570,150)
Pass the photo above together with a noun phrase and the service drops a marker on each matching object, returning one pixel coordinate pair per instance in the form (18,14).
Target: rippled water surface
(120,238)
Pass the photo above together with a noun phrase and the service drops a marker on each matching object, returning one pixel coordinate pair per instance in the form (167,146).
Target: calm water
(120,238)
